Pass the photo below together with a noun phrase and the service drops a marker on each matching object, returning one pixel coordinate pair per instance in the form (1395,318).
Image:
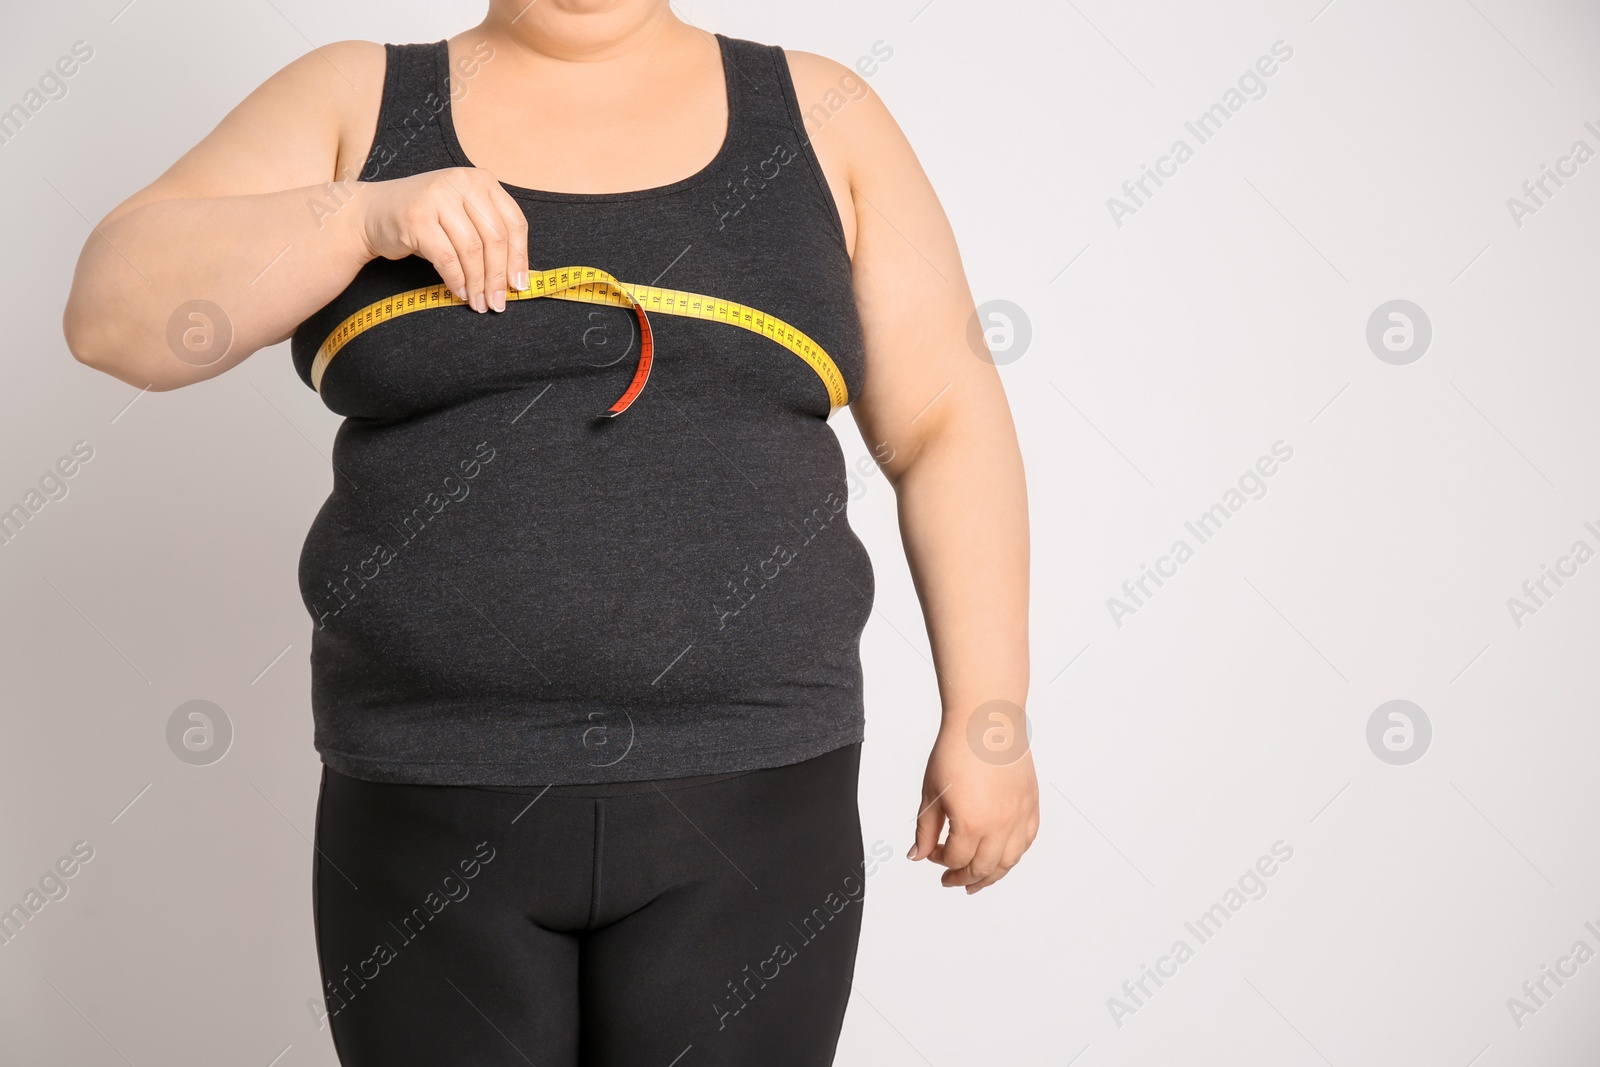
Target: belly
(695,549)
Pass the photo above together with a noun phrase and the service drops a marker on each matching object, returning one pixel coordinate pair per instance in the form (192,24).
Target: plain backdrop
(1170,348)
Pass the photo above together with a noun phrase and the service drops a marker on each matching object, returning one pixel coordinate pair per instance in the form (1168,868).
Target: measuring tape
(591,285)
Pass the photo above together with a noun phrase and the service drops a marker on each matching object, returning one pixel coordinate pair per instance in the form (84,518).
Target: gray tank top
(506,589)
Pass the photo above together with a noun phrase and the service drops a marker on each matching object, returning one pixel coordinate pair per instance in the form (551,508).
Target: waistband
(609,789)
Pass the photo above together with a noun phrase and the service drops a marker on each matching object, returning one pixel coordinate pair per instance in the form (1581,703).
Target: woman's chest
(742,302)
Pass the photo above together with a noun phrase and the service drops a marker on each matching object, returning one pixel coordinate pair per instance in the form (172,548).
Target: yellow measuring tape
(591,285)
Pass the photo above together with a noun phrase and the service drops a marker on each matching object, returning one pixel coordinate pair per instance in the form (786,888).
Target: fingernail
(498,301)
(522,281)
(461,294)
(478,304)
(912,851)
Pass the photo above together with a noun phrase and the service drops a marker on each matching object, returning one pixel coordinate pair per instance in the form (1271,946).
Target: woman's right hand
(459,219)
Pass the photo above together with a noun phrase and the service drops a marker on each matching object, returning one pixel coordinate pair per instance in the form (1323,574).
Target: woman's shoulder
(340,71)
(328,96)
(831,93)
(843,115)
(337,90)
(812,66)
(345,78)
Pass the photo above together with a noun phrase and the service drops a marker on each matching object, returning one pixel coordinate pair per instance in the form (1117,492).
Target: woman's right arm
(264,219)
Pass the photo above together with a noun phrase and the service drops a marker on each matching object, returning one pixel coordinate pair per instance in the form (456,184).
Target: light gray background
(1167,355)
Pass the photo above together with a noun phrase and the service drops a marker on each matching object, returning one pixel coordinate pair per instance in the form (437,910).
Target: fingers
(466,250)
(971,859)
(930,820)
(488,239)
(516,237)
(1010,856)
(434,245)
(976,859)
(492,232)
(992,813)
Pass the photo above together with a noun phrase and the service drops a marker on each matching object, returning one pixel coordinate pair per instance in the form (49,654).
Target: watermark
(999,732)
(743,989)
(332,198)
(604,749)
(597,338)
(1252,85)
(52,486)
(199,732)
(750,583)
(739,194)
(1536,992)
(999,332)
(1566,167)
(52,85)
(346,591)
(1399,732)
(52,886)
(866,467)
(1252,485)
(1251,885)
(199,332)
(1536,592)
(336,194)
(1399,332)
(452,889)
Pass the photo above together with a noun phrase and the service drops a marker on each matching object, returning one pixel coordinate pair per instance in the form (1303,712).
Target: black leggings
(683,922)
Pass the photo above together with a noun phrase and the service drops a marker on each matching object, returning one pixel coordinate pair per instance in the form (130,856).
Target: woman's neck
(584,31)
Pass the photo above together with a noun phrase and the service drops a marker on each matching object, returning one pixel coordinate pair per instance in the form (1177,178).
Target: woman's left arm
(934,413)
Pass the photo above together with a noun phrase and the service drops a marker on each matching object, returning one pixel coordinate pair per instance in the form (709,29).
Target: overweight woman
(585,284)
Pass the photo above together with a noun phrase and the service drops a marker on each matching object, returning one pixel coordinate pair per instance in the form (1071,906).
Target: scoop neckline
(452,143)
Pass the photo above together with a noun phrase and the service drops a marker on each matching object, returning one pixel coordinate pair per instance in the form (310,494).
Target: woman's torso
(505,589)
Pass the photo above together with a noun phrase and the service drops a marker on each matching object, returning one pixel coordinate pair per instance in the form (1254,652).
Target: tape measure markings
(594,286)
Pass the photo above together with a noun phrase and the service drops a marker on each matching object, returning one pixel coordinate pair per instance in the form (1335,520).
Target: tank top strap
(762,87)
(418,84)
(408,139)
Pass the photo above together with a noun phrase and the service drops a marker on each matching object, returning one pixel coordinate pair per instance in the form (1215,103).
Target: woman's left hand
(993,812)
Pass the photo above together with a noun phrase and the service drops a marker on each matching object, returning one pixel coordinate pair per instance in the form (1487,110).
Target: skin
(231,222)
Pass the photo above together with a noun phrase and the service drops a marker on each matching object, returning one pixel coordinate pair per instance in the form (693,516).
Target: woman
(586,606)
